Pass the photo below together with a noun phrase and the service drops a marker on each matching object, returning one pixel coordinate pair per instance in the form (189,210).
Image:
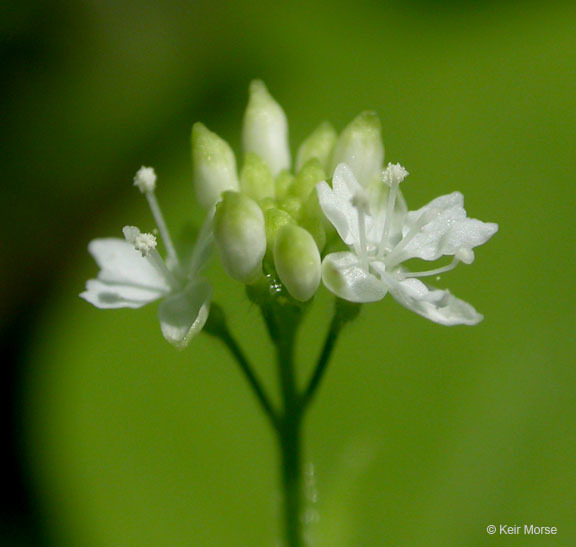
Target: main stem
(289,435)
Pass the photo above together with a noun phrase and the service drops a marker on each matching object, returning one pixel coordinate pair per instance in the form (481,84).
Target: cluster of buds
(289,227)
(267,216)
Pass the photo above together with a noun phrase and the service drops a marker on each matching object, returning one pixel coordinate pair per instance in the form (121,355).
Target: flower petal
(105,294)
(442,228)
(122,264)
(437,305)
(343,274)
(336,202)
(183,315)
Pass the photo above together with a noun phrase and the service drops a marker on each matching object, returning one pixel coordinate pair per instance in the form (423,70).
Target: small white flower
(133,274)
(382,235)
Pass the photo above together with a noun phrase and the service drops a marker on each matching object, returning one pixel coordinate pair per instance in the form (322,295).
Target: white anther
(145,179)
(394,174)
(465,255)
(144,243)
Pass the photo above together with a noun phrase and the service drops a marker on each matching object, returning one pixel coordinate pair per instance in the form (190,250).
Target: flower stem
(322,363)
(344,312)
(217,326)
(282,318)
(290,444)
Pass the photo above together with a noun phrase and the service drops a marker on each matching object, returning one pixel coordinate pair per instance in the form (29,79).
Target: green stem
(322,364)
(289,437)
(344,312)
(217,327)
(282,322)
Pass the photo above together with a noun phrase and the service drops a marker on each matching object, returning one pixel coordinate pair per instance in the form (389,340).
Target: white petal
(446,229)
(203,246)
(437,305)
(183,315)
(104,294)
(343,274)
(121,263)
(336,202)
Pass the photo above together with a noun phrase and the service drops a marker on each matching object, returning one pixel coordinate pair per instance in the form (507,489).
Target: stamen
(172,256)
(393,258)
(465,255)
(388,220)
(145,180)
(146,245)
(393,175)
(436,271)
(156,260)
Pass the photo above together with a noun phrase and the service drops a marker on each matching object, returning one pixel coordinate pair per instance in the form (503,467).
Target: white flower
(132,274)
(381,235)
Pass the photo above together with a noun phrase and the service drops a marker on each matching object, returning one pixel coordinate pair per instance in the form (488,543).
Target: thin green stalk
(217,327)
(344,312)
(323,361)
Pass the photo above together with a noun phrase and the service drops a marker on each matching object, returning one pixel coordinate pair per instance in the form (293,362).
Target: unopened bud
(255,178)
(319,145)
(307,179)
(275,220)
(360,146)
(283,182)
(265,130)
(297,261)
(214,165)
(240,235)
(313,219)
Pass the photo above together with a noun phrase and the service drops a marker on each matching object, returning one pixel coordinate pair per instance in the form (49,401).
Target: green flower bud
(240,236)
(307,179)
(214,165)
(275,219)
(265,130)
(297,261)
(319,145)
(255,178)
(292,206)
(313,220)
(360,146)
(283,182)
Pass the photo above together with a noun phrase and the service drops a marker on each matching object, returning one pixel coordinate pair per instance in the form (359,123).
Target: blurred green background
(422,434)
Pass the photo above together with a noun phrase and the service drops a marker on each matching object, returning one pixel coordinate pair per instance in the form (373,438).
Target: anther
(144,243)
(145,179)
